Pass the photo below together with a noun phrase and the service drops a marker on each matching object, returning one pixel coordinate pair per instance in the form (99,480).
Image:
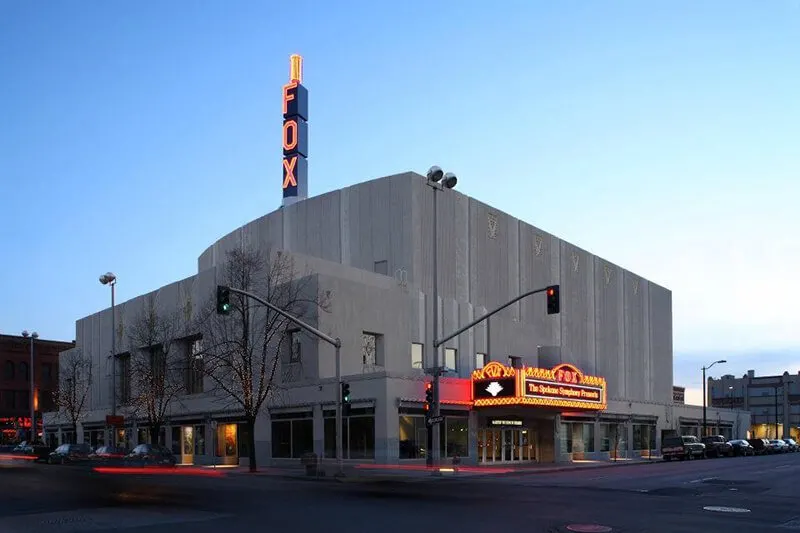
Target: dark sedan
(150,455)
(742,448)
(69,453)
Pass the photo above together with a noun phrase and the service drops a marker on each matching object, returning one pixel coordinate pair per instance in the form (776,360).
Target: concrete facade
(369,246)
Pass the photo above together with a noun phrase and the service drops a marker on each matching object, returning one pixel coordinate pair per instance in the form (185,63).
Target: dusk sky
(662,136)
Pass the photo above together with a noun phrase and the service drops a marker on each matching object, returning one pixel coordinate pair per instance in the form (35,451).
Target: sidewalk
(381,472)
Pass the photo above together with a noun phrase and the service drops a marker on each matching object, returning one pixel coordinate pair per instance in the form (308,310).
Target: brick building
(15,356)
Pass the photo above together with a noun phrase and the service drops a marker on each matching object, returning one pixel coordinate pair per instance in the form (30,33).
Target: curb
(549,470)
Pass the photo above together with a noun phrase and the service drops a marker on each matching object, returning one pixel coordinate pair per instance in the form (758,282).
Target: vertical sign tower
(295,134)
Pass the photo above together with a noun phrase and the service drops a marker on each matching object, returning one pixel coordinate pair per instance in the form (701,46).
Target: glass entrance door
(506,445)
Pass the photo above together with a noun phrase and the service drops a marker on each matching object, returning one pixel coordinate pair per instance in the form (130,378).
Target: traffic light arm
(439,342)
(336,343)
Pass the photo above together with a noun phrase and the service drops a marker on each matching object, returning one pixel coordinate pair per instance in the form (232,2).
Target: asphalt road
(668,497)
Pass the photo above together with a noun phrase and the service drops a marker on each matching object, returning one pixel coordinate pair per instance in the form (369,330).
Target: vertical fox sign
(295,134)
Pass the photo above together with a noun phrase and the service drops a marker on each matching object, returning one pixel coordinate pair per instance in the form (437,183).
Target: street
(669,497)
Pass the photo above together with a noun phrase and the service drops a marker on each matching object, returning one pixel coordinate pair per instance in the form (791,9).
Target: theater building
(592,381)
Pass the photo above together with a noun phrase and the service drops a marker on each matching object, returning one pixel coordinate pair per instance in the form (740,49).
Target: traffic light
(223,300)
(553,301)
(345,399)
(428,396)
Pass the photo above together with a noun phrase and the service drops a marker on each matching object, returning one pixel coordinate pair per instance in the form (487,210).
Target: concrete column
(263,440)
(629,431)
(597,436)
(474,450)
(387,430)
(319,432)
(557,457)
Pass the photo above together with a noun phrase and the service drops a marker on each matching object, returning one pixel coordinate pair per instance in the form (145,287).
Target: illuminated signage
(294,178)
(563,386)
(505,422)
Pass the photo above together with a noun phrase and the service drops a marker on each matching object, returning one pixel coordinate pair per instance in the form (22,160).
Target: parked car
(38,450)
(760,446)
(793,446)
(741,448)
(778,446)
(150,455)
(682,447)
(108,454)
(69,453)
(717,446)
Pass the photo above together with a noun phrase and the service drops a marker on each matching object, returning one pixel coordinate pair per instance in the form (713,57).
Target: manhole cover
(716,509)
(588,528)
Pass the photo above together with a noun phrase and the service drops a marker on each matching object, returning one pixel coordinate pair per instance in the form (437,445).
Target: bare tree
(156,369)
(242,350)
(74,384)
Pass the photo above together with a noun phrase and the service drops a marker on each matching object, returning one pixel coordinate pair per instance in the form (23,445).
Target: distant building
(679,395)
(773,401)
(15,384)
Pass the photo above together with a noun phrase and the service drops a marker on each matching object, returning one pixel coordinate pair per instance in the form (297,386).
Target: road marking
(702,480)
(716,509)
(588,528)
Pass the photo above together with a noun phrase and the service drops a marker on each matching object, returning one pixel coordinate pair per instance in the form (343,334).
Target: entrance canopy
(563,386)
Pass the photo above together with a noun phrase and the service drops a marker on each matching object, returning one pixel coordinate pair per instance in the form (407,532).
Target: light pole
(438,180)
(33,336)
(705,400)
(110,279)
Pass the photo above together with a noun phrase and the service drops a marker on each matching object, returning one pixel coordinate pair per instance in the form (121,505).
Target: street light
(110,279)
(704,391)
(33,336)
(438,180)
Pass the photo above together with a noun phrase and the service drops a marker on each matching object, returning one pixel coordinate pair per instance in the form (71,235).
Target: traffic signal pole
(553,307)
(439,342)
(336,343)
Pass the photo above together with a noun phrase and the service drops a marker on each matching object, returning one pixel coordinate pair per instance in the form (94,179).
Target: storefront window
(292,434)
(413,437)
(358,430)
(644,437)
(690,430)
(613,437)
(455,431)
(727,432)
(176,440)
(200,440)
(577,437)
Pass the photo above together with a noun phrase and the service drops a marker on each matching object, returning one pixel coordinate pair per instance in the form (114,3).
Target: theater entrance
(506,445)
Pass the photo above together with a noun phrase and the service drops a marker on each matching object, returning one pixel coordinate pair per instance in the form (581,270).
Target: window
(371,349)
(23,371)
(480,360)
(358,431)
(47,373)
(176,440)
(24,398)
(451,359)
(10,399)
(577,437)
(124,369)
(644,437)
(295,356)
(416,355)
(514,362)
(453,436)
(200,439)
(158,363)
(195,368)
(613,437)
(381,267)
(292,434)
(9,370)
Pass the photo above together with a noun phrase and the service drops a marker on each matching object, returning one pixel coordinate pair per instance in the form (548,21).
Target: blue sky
(659,135)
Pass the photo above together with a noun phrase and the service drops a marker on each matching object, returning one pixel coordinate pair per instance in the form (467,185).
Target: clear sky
(661,135)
